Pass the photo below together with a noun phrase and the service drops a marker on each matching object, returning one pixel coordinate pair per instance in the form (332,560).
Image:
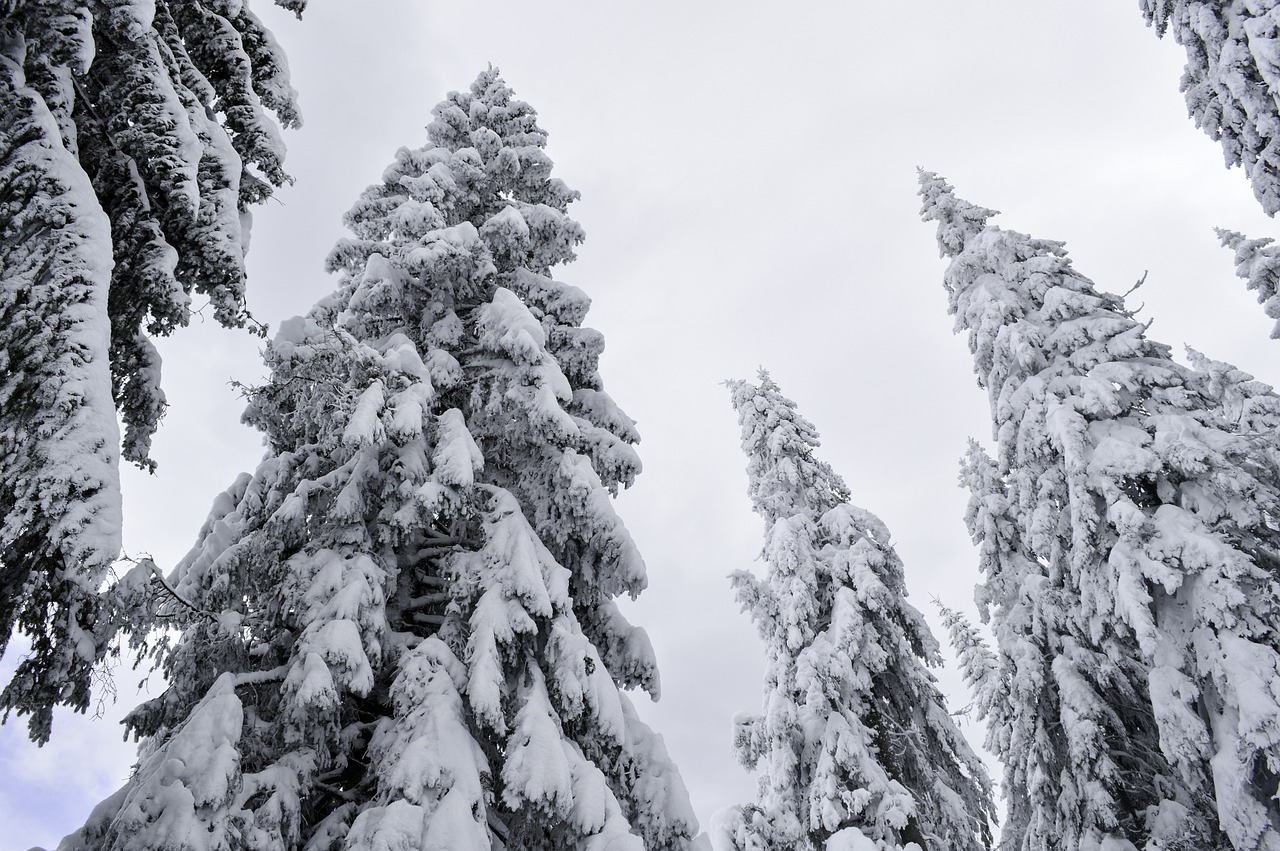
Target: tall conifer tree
(400,632)
(855,746)
(1130,551)
(136,137)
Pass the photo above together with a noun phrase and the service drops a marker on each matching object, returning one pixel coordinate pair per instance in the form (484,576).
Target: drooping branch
(158,576)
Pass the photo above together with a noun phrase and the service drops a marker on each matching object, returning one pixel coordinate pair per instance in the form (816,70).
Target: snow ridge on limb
(855,746)
(1127,541)
(1231,80)
(59,493)
(388,635)
(134,144)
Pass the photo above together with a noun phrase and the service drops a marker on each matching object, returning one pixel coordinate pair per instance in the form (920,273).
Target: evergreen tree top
(488,103)
(1028,311)
(785,477)
(957,219)
(1127,535)
(854,743)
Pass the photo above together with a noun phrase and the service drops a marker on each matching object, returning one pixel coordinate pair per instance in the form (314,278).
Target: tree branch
(428,600)
(164,583)
(253,678)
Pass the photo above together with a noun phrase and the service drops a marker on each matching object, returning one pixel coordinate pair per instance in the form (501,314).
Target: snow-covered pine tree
(1130,552)
(153,112)
(855,746)
(1231,80)
(400,632)
(1258,263)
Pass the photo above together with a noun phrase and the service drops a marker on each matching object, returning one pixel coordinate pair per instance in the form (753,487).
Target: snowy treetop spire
(779,445)
(854,745)
(957,219)
(1025,307)
(490,104)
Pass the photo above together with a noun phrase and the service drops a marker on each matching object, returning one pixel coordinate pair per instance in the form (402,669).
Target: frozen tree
(1231,80)
(1130,554)
(1258,263)
(135,139)
(855,746)
(400,632)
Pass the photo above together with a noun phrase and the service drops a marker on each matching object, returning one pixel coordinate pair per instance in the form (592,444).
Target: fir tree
(1129,547)
(1231,80)
(855,745)
(135,140)
(400,632)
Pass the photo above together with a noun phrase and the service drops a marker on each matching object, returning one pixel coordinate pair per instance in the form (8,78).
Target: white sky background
(748,180)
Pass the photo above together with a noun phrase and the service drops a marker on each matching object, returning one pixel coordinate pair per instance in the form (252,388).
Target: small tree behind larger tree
(855,746)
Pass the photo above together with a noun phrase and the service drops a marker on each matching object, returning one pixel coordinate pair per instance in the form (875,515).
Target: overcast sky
(748,175)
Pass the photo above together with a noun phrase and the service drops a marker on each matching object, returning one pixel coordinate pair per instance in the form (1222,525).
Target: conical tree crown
(400,631)
(957,219)
(855,744)
(782,472)
(1127,534)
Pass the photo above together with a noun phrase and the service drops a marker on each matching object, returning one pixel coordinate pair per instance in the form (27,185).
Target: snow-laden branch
(158,576)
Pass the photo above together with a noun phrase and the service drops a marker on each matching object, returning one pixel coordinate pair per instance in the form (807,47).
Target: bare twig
(1134,288)
(496,825)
